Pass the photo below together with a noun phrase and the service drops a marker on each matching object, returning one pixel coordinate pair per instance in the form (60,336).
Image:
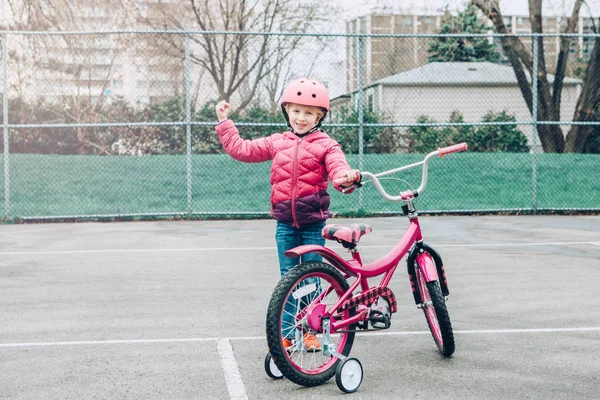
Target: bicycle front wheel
(436,313)
(294,344)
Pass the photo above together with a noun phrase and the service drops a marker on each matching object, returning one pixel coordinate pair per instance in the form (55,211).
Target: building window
(588,43)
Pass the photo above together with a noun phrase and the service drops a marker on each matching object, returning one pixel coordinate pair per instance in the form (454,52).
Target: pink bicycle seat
(345,234)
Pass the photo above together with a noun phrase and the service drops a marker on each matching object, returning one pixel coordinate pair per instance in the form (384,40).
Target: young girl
(303,159)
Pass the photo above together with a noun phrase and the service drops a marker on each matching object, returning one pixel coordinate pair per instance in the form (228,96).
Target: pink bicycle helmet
(306,92)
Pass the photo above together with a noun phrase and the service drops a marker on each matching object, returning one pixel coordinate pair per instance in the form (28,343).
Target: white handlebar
(424,163)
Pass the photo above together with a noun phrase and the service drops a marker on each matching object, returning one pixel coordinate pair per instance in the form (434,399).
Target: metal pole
(188,126)
(534,133)
(5,123)
(360,40)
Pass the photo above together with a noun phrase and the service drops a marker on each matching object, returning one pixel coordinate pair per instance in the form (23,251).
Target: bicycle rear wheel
(314,284)
(436,313)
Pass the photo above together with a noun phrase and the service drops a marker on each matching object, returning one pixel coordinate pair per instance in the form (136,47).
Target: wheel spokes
(321,291)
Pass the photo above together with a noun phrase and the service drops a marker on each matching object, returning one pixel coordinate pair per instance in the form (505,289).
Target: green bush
(172,139)
(258,115)
(498,138)
(423,138)
(480,138)
(375,140)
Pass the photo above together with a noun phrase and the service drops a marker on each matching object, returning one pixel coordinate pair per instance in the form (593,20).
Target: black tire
(340,378)
(436,312)
(304,373)
(273,373)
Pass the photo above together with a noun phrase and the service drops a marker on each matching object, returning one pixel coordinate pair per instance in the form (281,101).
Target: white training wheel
(349,375)
(271,368)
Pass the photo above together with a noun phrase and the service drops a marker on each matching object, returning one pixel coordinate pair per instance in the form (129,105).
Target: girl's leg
(287,237)
(312,235)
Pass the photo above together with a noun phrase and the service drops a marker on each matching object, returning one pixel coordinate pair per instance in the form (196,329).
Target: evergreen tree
(465,49)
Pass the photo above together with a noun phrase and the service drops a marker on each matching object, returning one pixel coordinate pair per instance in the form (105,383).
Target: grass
(51,185)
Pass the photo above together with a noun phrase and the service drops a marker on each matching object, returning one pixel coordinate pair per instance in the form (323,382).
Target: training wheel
(349,375)
(271,368)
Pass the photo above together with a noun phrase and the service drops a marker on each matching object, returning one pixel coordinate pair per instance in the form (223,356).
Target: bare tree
(550,95)
(78,67)
(284,67)
(238,63)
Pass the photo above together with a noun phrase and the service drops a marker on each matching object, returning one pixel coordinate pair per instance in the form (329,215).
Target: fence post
(5,126)
(534,114)
(360,100)
(188,126)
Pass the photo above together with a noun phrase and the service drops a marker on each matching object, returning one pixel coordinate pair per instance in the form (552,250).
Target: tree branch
(588,104)
(563,57)
(513,48)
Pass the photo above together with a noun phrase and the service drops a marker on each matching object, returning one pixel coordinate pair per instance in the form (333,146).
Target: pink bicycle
(334,300)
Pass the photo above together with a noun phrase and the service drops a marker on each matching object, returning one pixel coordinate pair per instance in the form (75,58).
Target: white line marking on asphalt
(519,244)
(20,253)
(515,244)
(533,330)
(94,342)
(235,385)
(244,338)
(98,251)
(497,331)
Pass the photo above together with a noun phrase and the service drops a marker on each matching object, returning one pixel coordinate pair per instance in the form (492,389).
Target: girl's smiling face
(303,118)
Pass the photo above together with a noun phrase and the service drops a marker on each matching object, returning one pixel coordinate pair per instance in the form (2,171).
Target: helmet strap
(287,119)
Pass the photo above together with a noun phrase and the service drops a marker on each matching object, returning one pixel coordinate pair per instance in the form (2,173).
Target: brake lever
(353,186)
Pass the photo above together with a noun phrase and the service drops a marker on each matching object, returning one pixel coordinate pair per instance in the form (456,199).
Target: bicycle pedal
(379,320)
(363,325)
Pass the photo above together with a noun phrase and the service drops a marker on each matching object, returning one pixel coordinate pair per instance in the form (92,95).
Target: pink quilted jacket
(300,170)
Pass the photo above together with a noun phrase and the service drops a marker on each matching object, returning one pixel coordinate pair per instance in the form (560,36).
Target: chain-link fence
(121,124)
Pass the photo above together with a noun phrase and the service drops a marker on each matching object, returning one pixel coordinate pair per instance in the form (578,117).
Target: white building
(385,56)
(141,68)
(438,89)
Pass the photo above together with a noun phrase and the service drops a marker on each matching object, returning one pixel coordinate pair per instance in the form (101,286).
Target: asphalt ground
(176,310)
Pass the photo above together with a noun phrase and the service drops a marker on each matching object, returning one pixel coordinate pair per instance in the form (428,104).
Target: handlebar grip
(452,149)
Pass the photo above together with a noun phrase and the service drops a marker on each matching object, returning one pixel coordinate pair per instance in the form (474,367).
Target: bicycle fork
(431,266)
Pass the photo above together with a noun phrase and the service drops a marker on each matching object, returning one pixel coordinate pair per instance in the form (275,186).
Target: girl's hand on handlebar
(223,109)
(347,178)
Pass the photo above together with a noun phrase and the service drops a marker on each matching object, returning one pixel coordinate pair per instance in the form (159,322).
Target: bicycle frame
(427,259)
(386,265)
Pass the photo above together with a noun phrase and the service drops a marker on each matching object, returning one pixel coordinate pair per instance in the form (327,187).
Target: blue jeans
(288,237)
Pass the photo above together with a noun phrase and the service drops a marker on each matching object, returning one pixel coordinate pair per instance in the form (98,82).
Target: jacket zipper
(295,183)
